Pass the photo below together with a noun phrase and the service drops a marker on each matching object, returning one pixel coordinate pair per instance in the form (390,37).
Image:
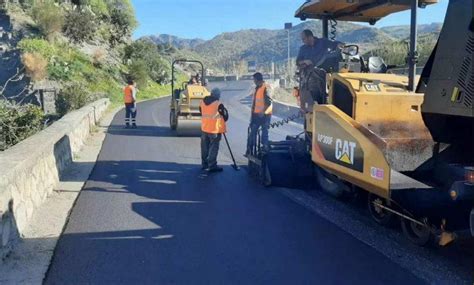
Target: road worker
(198,79)
(130,99)
(261,113)
(213,125)
(314,59)
(193,81)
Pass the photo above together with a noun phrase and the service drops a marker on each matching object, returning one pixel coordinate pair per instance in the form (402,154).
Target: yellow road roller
(185,117)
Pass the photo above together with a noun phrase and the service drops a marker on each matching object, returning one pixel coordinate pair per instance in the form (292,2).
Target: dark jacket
(221,109)
(317,52)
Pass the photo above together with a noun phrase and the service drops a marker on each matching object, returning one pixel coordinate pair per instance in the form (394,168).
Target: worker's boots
(215,169)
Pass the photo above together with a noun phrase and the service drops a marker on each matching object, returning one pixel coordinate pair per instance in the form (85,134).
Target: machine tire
(330,183)
(415,233)
(378,214)
(173,120)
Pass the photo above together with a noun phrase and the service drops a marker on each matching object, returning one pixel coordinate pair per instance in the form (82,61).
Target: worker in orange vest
(261,113)
(213,125)
(130,98)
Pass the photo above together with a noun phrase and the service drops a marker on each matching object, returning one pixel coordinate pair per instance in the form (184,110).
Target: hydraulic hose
(333,31)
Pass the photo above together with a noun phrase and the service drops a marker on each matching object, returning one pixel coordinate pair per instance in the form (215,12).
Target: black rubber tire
(173,120)
(329,183)
(421,236)
(378,214)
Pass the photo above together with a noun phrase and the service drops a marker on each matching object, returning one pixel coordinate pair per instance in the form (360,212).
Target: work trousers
(255,123)
(312,88)
(130,113)
(209,149)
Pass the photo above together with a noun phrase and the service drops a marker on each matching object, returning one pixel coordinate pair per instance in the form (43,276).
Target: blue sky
(208,18)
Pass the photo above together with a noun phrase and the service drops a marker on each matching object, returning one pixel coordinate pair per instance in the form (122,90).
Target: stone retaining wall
(30,170)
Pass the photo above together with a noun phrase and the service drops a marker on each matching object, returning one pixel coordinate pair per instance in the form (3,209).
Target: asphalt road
(148,216)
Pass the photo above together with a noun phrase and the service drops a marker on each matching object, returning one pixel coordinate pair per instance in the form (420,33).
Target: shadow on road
(169,224)
(162,222)
(141,131)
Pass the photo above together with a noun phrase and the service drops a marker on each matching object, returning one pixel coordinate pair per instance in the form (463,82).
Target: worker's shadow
(177,206)
(141,131)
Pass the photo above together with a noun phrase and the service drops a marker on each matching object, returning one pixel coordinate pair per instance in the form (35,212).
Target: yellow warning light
(453,194)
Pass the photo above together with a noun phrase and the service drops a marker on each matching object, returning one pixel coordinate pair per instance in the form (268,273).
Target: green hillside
(403,32)
(395,53)
(228,52)
(80,49)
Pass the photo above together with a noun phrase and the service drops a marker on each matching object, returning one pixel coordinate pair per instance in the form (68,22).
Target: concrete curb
(35,243)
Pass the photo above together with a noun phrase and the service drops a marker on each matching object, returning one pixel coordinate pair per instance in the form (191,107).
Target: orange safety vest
(259,103)
(211,121)
(128,94)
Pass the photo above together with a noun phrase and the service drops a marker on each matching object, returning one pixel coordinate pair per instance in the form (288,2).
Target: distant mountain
(272,45)
(403,32)
(227,50)
(176,41)
(228,47)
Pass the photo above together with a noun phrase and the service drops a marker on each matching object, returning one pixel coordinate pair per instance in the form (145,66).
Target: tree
(147,52)
(122,20)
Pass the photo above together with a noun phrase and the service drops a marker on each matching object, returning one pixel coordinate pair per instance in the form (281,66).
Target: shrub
(59,70)
(98,57)
(80,25)
(18,122)
(139,73)
(35,66)
(99,7)
(159,71)
(49,17)
(39,46)
(72,97)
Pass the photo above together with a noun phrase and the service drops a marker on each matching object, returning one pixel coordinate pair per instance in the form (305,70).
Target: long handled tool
(235,166)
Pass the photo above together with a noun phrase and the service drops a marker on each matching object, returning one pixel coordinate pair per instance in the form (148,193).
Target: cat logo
(345,151)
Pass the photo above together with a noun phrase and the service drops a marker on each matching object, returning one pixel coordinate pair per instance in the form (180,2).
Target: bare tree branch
(15,78)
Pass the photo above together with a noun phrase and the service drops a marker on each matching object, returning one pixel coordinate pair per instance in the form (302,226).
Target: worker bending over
(261,113)
(130,99)
(213,125)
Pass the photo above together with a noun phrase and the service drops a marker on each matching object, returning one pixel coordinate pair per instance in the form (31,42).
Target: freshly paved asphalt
(148,216)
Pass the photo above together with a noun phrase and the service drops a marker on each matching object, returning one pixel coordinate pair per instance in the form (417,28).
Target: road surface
(148,216)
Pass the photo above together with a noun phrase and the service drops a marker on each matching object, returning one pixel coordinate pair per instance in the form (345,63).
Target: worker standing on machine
(313,50)
(213,125)
(130,98)
(261,113)
(311,56)
(193,80)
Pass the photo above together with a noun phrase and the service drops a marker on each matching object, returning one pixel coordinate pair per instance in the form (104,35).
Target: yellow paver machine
(406,141)
(185,117)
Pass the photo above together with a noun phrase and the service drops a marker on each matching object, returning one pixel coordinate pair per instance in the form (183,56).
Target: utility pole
(288,27)
(413,54)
